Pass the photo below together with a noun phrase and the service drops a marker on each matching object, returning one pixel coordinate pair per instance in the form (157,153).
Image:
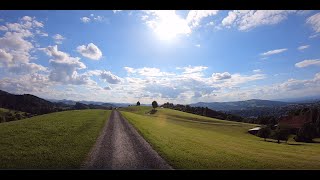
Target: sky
(181,57)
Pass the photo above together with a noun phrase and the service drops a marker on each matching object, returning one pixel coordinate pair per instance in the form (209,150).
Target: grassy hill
(7,115)
(189,141)
(59,140)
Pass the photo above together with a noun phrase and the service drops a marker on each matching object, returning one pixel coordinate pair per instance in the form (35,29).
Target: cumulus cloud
(16,45)
(64,67)
(303,47)
(221,76)
(90,51)
(314,22)
(34,83)
(85,19)
(272,52)
(306,63)
(195,16)
(248,19)
(110,78)
(5,58)
(58,38)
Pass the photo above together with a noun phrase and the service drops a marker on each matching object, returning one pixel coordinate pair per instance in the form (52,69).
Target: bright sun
(169,25)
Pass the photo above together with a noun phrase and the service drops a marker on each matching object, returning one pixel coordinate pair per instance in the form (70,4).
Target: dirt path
(121,147)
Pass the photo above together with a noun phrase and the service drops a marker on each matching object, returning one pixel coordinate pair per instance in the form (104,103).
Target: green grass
(217,144)
(59,140)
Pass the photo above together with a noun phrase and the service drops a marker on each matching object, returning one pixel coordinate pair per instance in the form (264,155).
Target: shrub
(264,132)
(306,133)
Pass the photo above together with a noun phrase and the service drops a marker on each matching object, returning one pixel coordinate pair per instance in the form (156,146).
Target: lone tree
(154,104)
(264,132)
(138,103)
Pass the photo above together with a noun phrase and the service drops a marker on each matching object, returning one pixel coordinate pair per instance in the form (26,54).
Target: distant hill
(240,105)
(27,103)
(35,105)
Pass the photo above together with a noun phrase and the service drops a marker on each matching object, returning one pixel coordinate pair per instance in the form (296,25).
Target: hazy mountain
(240,105)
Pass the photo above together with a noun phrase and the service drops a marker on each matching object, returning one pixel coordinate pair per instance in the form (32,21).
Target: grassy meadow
(59,140)
(188,141)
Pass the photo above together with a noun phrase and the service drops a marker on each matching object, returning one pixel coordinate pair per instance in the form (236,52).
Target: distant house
(254,131)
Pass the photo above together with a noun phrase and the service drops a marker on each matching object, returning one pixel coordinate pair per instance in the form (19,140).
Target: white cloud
(16,45)
(195,16)
(303,47)
(26,18)
(129,69)
(276,51)
(146,71)
(5,58)
(90,51)
(110,78)
(257,71)
(58,38)
(221,76)
(306,63)
(248,19)
(116,11)
(314,22)
(41,33)
(92,18)
(197,45)
(192,69)
(3,28)
(85,19)
(64,67)
(314,36)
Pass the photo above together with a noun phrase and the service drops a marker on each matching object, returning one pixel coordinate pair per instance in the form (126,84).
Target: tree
(306,133)
(138,103)
(264,132)
(154,104)
(281,133)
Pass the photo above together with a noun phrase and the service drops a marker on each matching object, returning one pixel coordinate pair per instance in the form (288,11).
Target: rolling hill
(189,141)
(241,105)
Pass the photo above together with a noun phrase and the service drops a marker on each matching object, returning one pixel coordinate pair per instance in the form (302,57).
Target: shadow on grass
(153,111)
(283,142)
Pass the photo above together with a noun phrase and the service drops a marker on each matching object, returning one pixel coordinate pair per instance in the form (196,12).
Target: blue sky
(175,56)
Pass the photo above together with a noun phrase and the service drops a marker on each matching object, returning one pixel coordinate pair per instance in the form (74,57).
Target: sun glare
(169,25)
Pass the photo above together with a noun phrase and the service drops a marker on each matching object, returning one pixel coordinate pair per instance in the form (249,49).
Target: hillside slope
(59,140)
(188,141)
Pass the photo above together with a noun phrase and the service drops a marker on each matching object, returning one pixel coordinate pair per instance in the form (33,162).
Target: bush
(306,133)
(264,132)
